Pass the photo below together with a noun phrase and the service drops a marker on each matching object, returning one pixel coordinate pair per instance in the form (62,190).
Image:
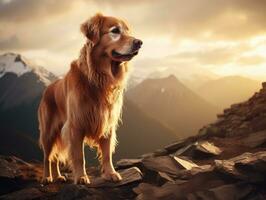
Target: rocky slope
(227,160)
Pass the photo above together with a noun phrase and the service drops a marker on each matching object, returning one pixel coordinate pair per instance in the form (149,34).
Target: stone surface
(125,163)
(129,175)
(255,139)
(166,164)
(199,150)
(24,194)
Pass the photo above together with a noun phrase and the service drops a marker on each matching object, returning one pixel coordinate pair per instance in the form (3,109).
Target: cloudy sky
(221,37)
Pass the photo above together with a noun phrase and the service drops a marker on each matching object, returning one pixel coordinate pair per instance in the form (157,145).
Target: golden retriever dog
(85,106)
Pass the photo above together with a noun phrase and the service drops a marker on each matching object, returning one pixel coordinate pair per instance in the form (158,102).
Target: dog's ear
(91,28)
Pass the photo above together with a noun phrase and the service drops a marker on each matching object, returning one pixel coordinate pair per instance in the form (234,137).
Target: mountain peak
(13,63)
(17,64)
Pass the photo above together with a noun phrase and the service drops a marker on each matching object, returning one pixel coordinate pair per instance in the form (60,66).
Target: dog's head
(110,37)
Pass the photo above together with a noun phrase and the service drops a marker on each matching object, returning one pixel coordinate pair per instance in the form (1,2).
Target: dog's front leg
(107,146)
(76,151)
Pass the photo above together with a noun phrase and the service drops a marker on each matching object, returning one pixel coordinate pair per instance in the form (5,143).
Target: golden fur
(85,106)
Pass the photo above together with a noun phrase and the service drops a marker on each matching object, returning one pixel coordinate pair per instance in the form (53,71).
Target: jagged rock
(15,173)
(166,164)
(257,139)
(248,166)
(185,164)
(228,192)
(126,163)
(11,167)
(130,175)
(199,150)
(163,177)
(258,123)
(231,191)
(171,165)
(171,148)
(24,194)
(147,191)
(186,174)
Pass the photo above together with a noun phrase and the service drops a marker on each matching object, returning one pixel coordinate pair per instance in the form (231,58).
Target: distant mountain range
(228,90)
(21,87)
(173,104)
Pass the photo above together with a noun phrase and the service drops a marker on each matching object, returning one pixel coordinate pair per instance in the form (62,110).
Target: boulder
(129,175)
(199,150)
(166,164)
(126,163)
(170,165)
(171,148)
(248,166)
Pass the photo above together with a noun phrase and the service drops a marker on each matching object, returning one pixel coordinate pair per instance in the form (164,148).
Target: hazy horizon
(215,38)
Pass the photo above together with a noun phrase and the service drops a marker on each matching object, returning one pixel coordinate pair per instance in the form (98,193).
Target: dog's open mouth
(120,56)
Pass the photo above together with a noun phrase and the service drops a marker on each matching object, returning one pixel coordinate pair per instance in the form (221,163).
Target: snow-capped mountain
(19,65)
(20,80)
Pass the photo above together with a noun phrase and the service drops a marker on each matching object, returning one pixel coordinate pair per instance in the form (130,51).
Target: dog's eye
(116,30)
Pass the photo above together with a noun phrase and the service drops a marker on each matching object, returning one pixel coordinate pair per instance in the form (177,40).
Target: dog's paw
(83,180)
(60,179)
(112,176)
(47,180)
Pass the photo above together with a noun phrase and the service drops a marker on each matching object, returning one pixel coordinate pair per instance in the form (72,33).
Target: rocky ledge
(226,160)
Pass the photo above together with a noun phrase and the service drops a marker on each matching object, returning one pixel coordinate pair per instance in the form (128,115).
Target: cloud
(33,10)
(213,55)
(214,19)
(251,60)
(9,43)
(218,31)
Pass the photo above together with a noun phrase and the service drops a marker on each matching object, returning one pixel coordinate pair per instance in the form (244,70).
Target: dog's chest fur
(109,115)
(99,110)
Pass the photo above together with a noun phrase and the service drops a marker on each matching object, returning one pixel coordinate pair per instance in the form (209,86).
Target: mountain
(20,80)
(189,76)
(219,163)
(173,104)
(228,90)
(21,87)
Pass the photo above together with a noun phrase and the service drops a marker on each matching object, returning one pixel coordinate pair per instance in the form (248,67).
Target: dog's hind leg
(48,128)
(72,139)
(56,171)
(47,173)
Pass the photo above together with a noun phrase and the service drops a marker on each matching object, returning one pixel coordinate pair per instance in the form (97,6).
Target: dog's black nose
(137,43)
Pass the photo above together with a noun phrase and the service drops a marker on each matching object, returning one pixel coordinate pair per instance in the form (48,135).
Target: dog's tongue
(119,55)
